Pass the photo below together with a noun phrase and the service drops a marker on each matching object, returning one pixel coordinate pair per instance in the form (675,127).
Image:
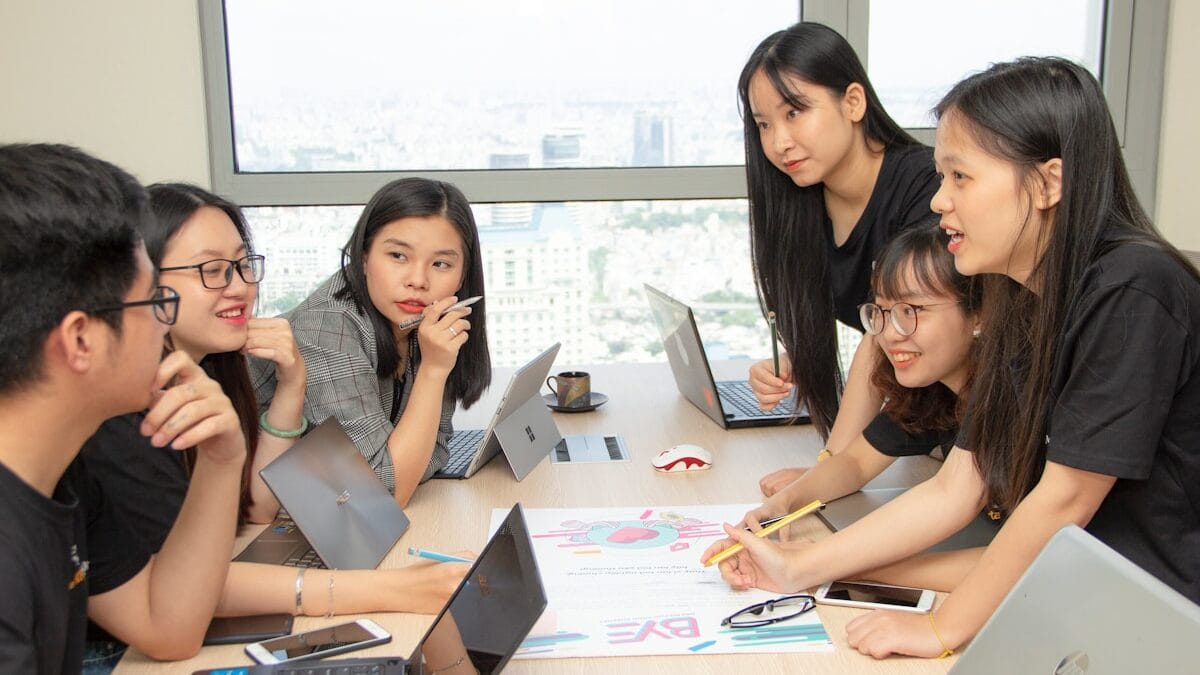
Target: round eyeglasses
(904,317)
(771,611)
(218,272)
(165,302)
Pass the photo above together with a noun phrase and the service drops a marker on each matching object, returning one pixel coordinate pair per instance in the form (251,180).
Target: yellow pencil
(802,511)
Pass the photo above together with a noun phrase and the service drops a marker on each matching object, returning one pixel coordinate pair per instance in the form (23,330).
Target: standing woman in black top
(831,178)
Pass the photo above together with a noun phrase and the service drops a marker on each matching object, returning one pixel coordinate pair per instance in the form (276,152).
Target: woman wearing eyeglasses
(925,322)
(202,248)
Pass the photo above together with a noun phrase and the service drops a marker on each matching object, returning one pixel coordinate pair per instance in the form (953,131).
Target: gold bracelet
(946,651)
(452,666)
(824,454)
(329,613)
(299,592)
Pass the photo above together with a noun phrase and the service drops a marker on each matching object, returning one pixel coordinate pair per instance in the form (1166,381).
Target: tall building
(514,213)
(538,288)
(652,139)
(562,148)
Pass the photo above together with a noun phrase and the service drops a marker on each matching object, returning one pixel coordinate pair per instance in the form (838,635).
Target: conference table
(647,410)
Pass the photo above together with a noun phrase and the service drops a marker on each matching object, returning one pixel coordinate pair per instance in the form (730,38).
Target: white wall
(122,80)
(1179,150)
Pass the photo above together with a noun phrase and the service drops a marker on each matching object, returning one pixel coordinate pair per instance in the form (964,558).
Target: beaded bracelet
(329,611)
(946,651)
(452,666)
(279,433)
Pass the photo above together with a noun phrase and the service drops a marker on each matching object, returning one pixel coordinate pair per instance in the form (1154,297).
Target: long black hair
(787,222)
(1028,112)
(922,251)
(173,205)
(420,198)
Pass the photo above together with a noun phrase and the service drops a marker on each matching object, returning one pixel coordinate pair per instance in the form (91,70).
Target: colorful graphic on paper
(668,529)
(628,581)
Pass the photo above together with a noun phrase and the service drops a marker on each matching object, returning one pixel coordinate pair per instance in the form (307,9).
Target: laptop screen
(493,608)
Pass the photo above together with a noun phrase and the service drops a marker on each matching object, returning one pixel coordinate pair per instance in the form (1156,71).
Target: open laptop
(486,619)
(842,513)
(729,403)
(494,607)
(339,513)
(521,427)
(1083,608)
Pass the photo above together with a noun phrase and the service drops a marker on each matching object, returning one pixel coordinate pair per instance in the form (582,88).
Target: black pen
(769,522)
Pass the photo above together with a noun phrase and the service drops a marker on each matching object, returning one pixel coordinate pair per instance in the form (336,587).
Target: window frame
(1133,72)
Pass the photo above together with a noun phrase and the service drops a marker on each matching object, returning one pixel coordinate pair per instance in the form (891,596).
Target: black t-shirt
(48,568)
(1125,402)
(147,485)
(888,438)
(906,183)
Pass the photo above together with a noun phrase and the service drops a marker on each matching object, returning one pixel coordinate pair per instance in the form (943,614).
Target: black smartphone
(231,630)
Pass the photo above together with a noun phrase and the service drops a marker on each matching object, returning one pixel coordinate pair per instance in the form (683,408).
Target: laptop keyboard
(384,665)
(738,395)
(463,447)
(301,558)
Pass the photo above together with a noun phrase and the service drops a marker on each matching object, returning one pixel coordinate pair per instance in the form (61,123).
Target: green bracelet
(279,433)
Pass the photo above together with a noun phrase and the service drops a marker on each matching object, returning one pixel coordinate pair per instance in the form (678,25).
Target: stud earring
(975,333)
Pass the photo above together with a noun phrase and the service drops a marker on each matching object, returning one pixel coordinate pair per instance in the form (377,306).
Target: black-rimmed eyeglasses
(904,316)
(218,272)
(771,611)
(165,302)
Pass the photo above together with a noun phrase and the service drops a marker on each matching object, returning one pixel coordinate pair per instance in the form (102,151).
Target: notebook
(1083,608)
(339,513)
(521,427)
(842,513)
(493,608)
(729,403)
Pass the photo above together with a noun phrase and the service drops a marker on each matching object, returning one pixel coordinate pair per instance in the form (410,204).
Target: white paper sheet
(629,581)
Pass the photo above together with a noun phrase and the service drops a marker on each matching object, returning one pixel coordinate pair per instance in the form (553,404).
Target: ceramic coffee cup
(572,388)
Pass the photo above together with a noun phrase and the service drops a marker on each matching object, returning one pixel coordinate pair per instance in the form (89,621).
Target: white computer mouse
(683,457)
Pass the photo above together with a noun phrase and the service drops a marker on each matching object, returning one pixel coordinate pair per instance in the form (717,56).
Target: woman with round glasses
(925,321)
(202,247)
(201,244)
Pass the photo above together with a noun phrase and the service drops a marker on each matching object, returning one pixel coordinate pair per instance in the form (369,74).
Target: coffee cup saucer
(597,400)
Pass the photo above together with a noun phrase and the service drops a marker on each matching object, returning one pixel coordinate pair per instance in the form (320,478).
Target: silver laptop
(339,513)
(1082,608)
(521,427)
(729,403)
(842,513)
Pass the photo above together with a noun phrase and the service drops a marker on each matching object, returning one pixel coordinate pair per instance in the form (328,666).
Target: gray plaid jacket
(338,346)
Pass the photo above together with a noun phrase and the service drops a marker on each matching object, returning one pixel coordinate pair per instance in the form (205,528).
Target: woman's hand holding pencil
(749,560)
(769,389)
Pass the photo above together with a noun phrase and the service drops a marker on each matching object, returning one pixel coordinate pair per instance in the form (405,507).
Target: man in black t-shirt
(82,322)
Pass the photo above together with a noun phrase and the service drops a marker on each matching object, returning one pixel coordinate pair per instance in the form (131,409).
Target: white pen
(458,305)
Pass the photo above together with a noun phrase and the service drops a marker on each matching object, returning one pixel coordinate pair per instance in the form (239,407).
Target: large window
(379,85)
(911,73)
(600,141)
(570,272)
